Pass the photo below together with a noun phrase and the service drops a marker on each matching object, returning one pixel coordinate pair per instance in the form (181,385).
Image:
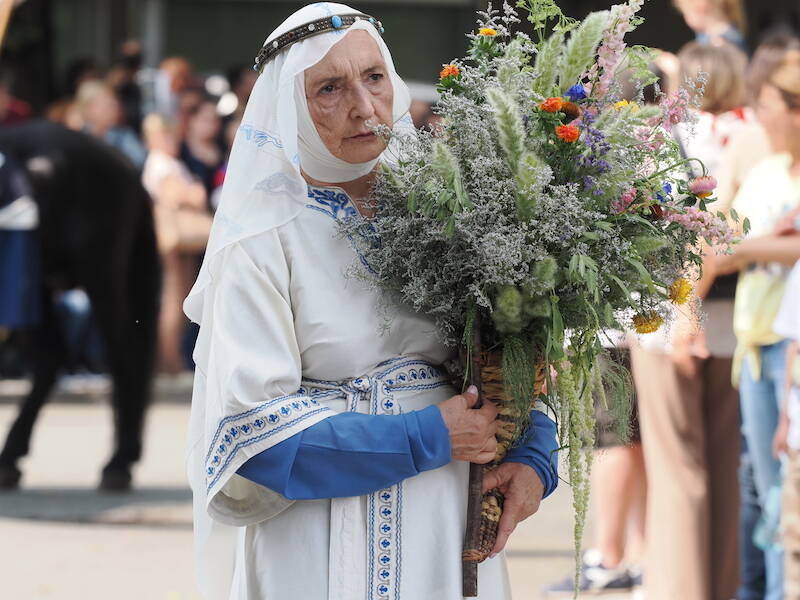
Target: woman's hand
(471,430)
(726,264)
(523,491)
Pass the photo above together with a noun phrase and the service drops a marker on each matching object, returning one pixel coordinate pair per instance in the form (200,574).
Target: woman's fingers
(508,522)
(471,396)
(488,410)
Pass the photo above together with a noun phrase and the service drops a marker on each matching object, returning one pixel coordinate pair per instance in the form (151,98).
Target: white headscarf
(263,187)
(263,190)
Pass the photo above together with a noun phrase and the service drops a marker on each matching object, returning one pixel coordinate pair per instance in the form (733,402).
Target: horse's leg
(130,364)
(48,353)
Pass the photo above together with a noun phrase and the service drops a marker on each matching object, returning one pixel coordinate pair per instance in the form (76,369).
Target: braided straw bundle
(508,419)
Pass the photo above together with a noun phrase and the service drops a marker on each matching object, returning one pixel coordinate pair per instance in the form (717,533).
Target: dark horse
(95,232)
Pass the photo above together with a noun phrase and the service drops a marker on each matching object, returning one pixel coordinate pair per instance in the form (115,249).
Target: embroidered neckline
(336,203)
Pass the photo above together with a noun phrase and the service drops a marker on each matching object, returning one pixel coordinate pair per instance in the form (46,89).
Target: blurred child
(715,22)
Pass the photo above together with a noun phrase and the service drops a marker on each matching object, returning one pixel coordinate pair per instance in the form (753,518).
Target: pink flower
(675,109)
(704,224)
(624,201)
(612,49)
(702,186)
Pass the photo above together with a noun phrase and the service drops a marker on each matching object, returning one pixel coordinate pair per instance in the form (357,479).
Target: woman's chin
(361,151)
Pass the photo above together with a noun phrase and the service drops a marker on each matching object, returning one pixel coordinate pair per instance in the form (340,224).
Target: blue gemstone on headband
(382,30)
(372,20)
(336,21)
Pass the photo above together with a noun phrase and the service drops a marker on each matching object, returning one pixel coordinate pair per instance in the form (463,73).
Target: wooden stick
(6,6)
(469,568)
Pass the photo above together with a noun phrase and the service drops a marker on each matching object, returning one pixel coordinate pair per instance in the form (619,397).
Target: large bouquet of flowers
(550,206)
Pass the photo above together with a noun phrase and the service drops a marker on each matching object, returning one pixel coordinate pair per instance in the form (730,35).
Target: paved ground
(59,539)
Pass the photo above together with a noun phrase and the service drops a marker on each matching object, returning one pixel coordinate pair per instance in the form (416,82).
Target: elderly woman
(328,458)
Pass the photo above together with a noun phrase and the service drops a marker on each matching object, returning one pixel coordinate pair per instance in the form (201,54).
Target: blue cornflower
(576,92)
(667,187)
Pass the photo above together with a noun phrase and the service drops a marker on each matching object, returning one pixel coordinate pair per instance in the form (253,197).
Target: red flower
(568,133)
(551,105)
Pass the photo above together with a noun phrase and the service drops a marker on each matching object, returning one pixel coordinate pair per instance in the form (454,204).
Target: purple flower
(576,92)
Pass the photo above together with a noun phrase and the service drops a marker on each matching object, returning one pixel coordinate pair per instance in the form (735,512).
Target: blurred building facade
(46,36)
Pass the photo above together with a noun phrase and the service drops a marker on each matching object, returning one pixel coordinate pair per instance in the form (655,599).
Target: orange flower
(571,110)
(450,71)
(487,31)
(551,105)
(568,133)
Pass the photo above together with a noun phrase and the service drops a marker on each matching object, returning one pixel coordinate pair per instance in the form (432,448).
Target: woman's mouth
(362,136)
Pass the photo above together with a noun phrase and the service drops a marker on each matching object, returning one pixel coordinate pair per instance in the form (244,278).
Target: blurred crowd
(702,501)
(177,129)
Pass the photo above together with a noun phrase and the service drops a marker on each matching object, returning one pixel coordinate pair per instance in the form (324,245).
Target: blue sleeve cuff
(352,454)
(428,437)
(538,449)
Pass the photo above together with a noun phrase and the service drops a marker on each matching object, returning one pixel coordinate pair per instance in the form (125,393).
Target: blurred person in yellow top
(770,191)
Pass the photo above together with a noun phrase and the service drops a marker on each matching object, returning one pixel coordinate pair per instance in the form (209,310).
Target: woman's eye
(376,76)
(327,89)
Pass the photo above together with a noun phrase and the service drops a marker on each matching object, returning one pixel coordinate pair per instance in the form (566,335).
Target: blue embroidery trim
(252,411)
(211,469)
(260,138)
(337,204)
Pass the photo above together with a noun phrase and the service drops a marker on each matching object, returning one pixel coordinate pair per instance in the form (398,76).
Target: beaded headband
(334,23)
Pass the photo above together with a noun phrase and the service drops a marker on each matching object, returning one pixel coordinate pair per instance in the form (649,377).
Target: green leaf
(621,285)
(605,226)
(412,202)
(746,225)
(646,278)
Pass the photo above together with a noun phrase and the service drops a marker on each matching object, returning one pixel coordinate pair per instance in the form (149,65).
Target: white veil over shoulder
(263,190)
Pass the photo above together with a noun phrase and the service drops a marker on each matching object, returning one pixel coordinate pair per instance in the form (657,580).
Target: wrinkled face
(346,91)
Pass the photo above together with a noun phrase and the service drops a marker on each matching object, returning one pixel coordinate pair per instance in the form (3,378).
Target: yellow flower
(647,322)
(623,103)
(487,31)
(680,290)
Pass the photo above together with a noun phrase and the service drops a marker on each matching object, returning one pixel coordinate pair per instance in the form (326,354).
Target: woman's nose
(362,107)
